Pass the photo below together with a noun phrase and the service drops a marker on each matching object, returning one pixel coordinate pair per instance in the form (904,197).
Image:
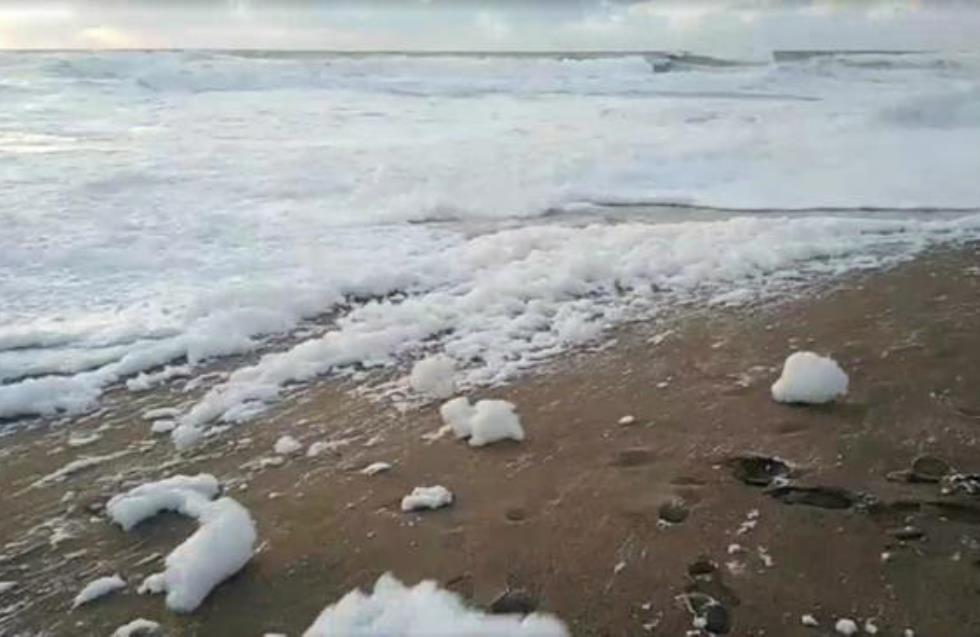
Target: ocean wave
(442,74)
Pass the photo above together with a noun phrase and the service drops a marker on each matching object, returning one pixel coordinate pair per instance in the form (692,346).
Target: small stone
(929,469)
(673,511)
(846,627)
(514,601)
(907,533)
(717,619)
(809,620)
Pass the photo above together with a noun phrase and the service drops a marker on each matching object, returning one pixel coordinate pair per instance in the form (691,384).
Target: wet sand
(572,514)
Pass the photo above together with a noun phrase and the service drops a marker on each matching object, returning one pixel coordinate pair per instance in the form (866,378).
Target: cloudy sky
(730,27)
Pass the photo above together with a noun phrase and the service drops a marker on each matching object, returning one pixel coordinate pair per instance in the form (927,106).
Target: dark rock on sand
(907,533)
(924,469)
(514,601)
(928,469)
(757,470)
(822,497)
(717,619)
(674,511)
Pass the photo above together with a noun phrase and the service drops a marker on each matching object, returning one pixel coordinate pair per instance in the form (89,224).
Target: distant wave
(461,74)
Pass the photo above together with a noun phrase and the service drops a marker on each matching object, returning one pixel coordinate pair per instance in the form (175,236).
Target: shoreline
(557,514)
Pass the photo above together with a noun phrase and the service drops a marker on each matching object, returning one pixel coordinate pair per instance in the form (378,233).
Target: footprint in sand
(822,497)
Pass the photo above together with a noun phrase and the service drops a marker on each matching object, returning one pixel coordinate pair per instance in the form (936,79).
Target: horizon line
(668,52)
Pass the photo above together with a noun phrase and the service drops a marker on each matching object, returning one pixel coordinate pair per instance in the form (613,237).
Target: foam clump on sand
(136,627)
(427,498)
(457,413)
(375,468)
(185,436)
(485,422)
(142,502)
(810,378)
(163,426)
(287,446)
(219,548)
(395,610)
(161,412)
(434,376)
(97,588)
(846,626)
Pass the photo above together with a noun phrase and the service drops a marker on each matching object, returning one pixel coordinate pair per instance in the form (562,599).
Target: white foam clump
(97,588)
(83,439)
(434,376)
(427,498)
(185,436)
(845,626)
(810,378)
(145,382)
(219,548)
(139,626)
(375,468)
(287,446)
(395,610)
(160,413)
(163,426)
(485,422)
(171,494)
(457,414)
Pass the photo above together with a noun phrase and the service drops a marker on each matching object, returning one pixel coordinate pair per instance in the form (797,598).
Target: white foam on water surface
(415,199)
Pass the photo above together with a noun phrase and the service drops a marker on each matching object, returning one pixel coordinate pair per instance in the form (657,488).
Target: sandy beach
(606,524)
